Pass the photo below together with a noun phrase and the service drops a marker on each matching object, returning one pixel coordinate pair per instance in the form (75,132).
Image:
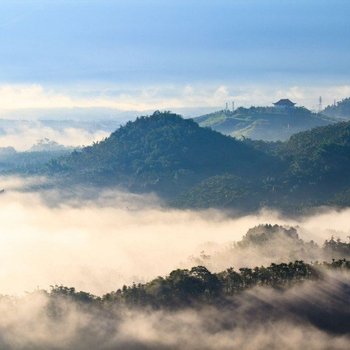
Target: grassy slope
(266,123)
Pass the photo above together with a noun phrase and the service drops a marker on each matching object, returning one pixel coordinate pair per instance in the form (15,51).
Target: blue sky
(103,49)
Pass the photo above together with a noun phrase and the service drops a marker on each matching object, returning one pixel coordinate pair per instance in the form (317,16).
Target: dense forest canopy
(191,166)
(184,287)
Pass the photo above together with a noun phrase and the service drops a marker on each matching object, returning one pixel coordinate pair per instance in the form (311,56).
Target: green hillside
(339,110)
(263,123)
(196,167)
(319,161)
(317,167)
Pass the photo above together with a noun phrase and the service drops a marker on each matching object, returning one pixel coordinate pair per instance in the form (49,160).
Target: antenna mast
(320,104)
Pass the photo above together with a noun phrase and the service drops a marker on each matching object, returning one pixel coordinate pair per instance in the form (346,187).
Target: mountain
(339,110)
(265,123)
(196,167)
(166,154)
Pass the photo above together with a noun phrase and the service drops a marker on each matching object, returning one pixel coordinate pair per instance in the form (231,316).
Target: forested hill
(319,162)
(339,110)
(263,123)
(163,153)
(190,166)
(315,168)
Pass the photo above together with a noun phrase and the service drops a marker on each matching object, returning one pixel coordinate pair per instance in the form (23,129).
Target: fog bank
(23,137)
(102,241)
(308,316)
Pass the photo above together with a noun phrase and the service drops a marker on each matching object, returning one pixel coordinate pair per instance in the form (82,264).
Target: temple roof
(284,102)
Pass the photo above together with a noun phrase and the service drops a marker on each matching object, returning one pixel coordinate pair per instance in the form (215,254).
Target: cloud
(99,240)
(175,97)
(23,136)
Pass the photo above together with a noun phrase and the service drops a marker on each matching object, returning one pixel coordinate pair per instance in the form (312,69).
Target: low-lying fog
(23,137)
(103,240)
(262,318)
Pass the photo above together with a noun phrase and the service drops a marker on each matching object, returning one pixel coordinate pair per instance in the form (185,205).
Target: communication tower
(320,104)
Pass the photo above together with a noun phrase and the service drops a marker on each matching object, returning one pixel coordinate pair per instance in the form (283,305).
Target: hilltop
(263,123)
(163,153)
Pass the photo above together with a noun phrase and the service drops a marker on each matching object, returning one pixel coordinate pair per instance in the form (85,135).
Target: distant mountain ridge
(263,123)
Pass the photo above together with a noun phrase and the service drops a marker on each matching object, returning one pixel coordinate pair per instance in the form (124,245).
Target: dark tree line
(197,286)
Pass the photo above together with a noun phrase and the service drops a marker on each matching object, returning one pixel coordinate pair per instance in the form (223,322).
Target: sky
(139,55)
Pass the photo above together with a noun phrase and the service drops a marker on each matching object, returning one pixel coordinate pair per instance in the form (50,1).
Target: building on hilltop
(284,103)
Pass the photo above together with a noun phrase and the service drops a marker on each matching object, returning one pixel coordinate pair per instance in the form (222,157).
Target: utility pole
(320,104)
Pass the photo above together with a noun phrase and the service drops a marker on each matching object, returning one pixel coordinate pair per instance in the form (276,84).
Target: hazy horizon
(177,55)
